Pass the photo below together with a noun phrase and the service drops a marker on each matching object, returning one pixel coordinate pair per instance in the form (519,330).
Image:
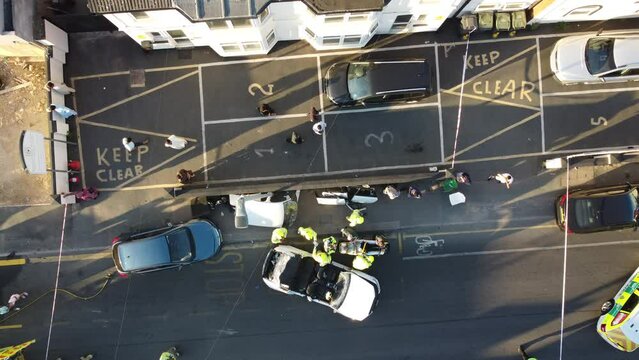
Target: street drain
(137,78)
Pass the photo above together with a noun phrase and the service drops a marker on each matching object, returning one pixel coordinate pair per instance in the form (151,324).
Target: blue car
(166,248)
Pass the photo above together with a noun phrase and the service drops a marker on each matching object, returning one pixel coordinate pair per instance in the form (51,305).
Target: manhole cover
(137,78)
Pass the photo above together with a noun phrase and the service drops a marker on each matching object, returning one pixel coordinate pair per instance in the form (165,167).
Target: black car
(599,209)
(378,82)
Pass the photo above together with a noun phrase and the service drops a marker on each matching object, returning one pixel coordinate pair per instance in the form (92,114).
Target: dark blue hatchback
(166,248)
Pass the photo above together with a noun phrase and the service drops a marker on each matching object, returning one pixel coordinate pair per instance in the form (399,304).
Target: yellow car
(619,323)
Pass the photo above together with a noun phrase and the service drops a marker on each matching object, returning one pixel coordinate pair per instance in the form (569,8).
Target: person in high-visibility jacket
(330,245)
(170,354)
(355,218)
(278,235)
(321,257)
(307,233)
(363,262)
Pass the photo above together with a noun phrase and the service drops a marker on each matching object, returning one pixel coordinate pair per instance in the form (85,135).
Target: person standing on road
(129,144)
(319,127)
(462,178)
(504,178)
(279,235)
(170,354)
(524,355)
(313,115)
(175,142)
(294,139)
(330,245)
(321,256)
(185,176)
(414,192)
(362,262)
(64,111)
(391,192)
(266,110)
(355,218)
(307,233)
(60,88)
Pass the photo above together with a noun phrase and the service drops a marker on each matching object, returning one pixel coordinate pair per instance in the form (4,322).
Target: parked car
(619,323)
(367,82)
(169,247)
(596,58)
(348,292)
(599,209)
(268,210)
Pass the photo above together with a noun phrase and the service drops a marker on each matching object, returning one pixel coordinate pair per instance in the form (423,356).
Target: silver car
(594,58)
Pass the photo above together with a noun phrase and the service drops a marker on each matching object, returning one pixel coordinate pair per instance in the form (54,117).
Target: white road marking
(158,166)
(529,249)
(496,101)
(257,118)
(593,91)
(541,100)
(130,130)
(439,105)
(382,108)
(204,160)
(321,99)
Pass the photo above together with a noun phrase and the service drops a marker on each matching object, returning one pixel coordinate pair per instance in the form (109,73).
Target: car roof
(625,51)
(393,76)
(143,253)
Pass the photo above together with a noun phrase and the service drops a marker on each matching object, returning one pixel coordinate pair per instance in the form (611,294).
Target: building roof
(220,9)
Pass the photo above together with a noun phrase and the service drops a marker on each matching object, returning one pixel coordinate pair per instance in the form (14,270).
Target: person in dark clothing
(524,355)
(185,176)
(265,110)
(313,115)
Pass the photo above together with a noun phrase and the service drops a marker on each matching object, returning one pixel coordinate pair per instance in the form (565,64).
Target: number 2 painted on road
(255,86)
(599,121)
(379,138)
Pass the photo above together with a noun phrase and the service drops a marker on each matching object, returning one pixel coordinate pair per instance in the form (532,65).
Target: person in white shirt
(175,142)
(319,127)
(61,88)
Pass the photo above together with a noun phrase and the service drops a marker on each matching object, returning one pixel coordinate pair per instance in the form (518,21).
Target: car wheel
(605,307)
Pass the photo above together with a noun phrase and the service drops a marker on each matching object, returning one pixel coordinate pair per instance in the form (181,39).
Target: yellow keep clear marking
(8,327)
(13,262)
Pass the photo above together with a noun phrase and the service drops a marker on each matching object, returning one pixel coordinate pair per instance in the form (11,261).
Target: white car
(591,59)
(348,292)
(267,211)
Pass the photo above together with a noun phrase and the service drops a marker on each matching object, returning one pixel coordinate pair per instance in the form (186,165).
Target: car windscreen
(359,86)
(180,244)
(341,288)
(599,55)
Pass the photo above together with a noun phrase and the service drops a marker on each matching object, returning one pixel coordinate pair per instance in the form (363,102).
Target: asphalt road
(464,282)
(473,294)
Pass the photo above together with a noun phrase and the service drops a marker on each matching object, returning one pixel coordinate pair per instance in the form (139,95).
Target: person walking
(362,262)
(462,178)
(279,235)
(294,139)
(86,357)
(524,355)
(60,88)
(504,178)
(307,233)
(313,115)
(355,218)
(64,111)
(265,110)
(185,176)
(319,127)
(175,142)
(414,192)
(170,354)
(321,256)
(129,144)
(391,192)
(13,300)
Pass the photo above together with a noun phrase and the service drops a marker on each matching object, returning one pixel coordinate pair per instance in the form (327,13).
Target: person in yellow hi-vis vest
(363,262)
(307,233)
(355,218)
(278,235)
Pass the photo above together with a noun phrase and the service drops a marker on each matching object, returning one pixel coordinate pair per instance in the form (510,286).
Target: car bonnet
(359,300)
(571,61)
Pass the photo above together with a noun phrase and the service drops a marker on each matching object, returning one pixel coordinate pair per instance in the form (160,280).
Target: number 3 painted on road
(379,138)
(254,86)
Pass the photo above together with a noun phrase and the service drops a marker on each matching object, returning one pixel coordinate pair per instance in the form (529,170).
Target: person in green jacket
(307,233)
(363,262)
(278,235)
(170,354)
